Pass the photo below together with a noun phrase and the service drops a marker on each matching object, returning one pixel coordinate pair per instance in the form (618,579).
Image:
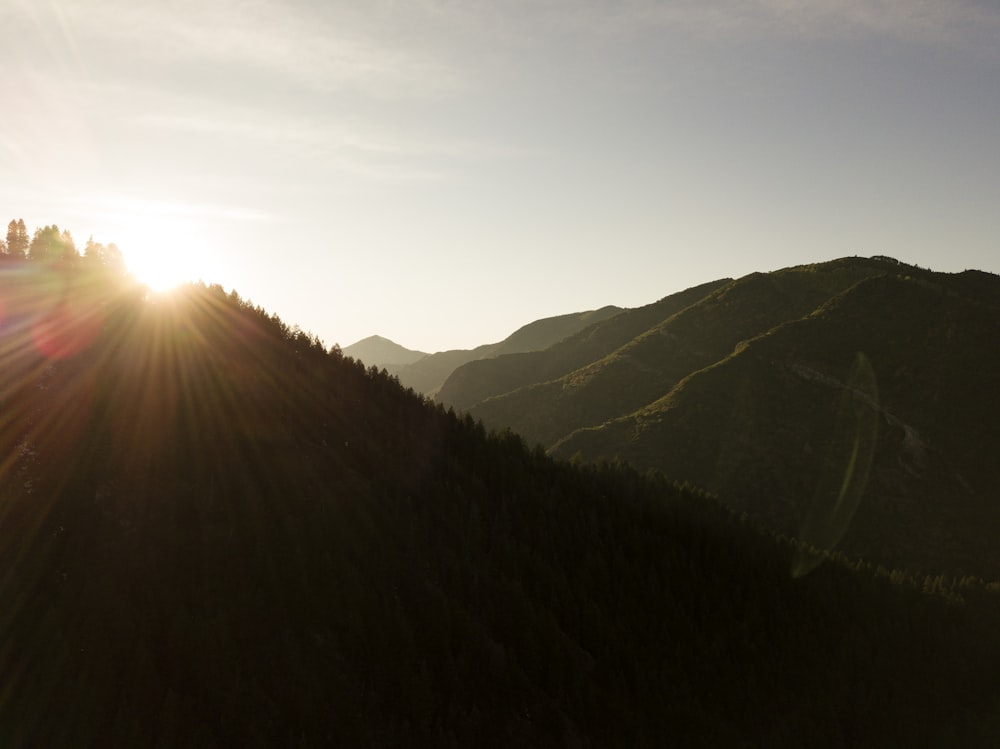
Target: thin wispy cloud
(333,133)
(345,146)
(118,206)
(324,51)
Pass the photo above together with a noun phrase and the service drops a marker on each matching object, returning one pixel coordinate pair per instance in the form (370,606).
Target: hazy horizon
(441,174)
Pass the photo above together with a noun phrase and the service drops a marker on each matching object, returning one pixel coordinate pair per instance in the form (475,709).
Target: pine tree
(22,237)
(17,238)
(49,244)
(99,255)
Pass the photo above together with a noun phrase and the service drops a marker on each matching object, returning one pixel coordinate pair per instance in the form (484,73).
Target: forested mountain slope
(479,380)
(213,532)
(738,393)
(703,328)
(760,426)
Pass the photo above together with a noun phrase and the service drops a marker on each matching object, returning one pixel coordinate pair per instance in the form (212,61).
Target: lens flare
(849,459)
(65,330)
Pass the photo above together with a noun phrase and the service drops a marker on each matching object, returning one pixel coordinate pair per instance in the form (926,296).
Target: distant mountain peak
(376,350)
(428,373)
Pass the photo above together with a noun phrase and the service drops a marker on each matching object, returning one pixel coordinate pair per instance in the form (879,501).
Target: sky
(441,172)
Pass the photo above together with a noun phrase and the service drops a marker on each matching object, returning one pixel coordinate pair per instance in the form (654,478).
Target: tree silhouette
(106,256)
(17,238)
(51,245)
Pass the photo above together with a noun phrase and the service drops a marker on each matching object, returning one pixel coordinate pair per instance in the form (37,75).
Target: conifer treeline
(50,244)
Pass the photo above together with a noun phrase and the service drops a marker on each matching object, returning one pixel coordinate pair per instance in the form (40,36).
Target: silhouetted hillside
(540,334)
(382,353)
(428,373)
(214,532)
(757,426)
(479,380)
(648,365)
(738,393)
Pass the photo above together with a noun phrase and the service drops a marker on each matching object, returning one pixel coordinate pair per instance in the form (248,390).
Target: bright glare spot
(165,254)
(155,271)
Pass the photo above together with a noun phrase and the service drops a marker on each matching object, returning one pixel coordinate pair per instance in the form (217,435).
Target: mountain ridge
(382,352)
(689,397)
(467,385)
(425,374)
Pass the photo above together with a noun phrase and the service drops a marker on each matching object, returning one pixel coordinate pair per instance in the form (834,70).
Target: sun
(156,270)
(164,244)
(162,259)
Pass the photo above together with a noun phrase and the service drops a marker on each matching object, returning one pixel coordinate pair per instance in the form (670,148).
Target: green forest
(215,531)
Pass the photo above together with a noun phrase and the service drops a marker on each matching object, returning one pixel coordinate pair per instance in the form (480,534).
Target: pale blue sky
(441,173)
